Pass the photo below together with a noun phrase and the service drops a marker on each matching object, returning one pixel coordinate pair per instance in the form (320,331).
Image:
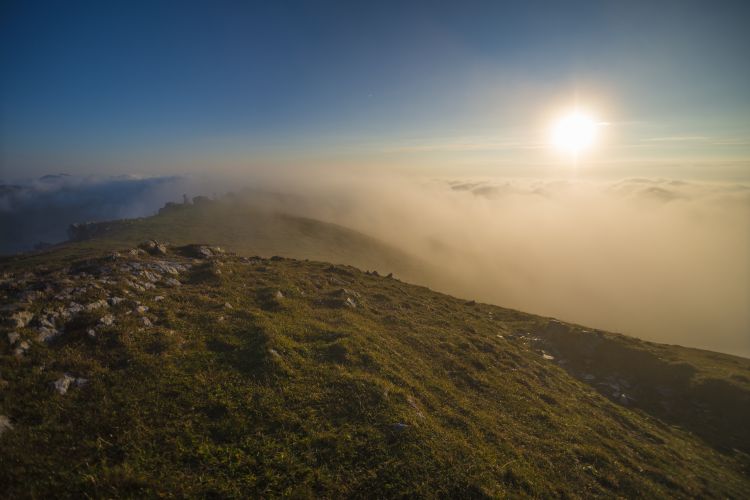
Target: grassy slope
(242,228)
(300,395)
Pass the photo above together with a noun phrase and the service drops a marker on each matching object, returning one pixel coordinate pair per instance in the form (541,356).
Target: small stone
(107,320)
(227,305)
(547,356)
(74,308)
(274,353)
(113,301)
(45,321)
(158,298)
(62,384)
(145,322)
(47,334)
(278,294)
(13,337)
(21,349)
(141,310)
(172,282)
(91,333)
(349,302)
(5,425)
(93,306)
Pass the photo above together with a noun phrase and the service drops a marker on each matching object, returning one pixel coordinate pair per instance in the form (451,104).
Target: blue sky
(150,87)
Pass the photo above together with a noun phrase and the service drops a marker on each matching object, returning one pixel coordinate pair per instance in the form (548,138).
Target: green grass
(303,396)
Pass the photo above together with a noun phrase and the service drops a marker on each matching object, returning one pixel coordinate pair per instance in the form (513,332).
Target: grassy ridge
(266,377)
(241,227)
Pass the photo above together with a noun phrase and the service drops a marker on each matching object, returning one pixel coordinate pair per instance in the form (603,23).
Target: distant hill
(243,227)
(188,372)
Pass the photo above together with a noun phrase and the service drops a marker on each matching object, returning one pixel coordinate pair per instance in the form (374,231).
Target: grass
(410,393)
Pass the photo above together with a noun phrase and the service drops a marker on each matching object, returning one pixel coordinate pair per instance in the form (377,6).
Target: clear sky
(150,87)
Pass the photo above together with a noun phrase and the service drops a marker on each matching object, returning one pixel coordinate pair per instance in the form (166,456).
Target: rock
(45,321)
(107,320)
(113,301)
(5,425)
(153,278)
(227,305)
(47,334)
(21,319)
(62,384)
(346,291)
(172,282)
(154,247)
(278,294)
(625,400)
(547,356)
(349,302)
(13,337)
(21,349)
(93,306)
(141,310)
(158,298)
(145,322)
(74,308)
(202,251)
(274,353)
(91,333)
(400,426)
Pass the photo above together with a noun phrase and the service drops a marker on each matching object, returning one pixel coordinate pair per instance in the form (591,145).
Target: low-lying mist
(663,260)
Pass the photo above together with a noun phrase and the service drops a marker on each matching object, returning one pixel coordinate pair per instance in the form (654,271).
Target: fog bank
(36,212)
(663,260)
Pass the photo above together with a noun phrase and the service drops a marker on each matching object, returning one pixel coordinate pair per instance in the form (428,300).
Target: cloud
(40,210)
(660,259)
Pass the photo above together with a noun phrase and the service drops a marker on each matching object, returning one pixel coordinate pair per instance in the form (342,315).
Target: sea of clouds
(661,259)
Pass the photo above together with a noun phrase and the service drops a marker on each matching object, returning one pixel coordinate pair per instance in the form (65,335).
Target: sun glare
(574,132)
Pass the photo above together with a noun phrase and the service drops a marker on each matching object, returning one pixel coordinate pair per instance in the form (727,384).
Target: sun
(575,132)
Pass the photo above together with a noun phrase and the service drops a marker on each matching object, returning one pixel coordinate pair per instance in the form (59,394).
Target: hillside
(186,371)
(239,225)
